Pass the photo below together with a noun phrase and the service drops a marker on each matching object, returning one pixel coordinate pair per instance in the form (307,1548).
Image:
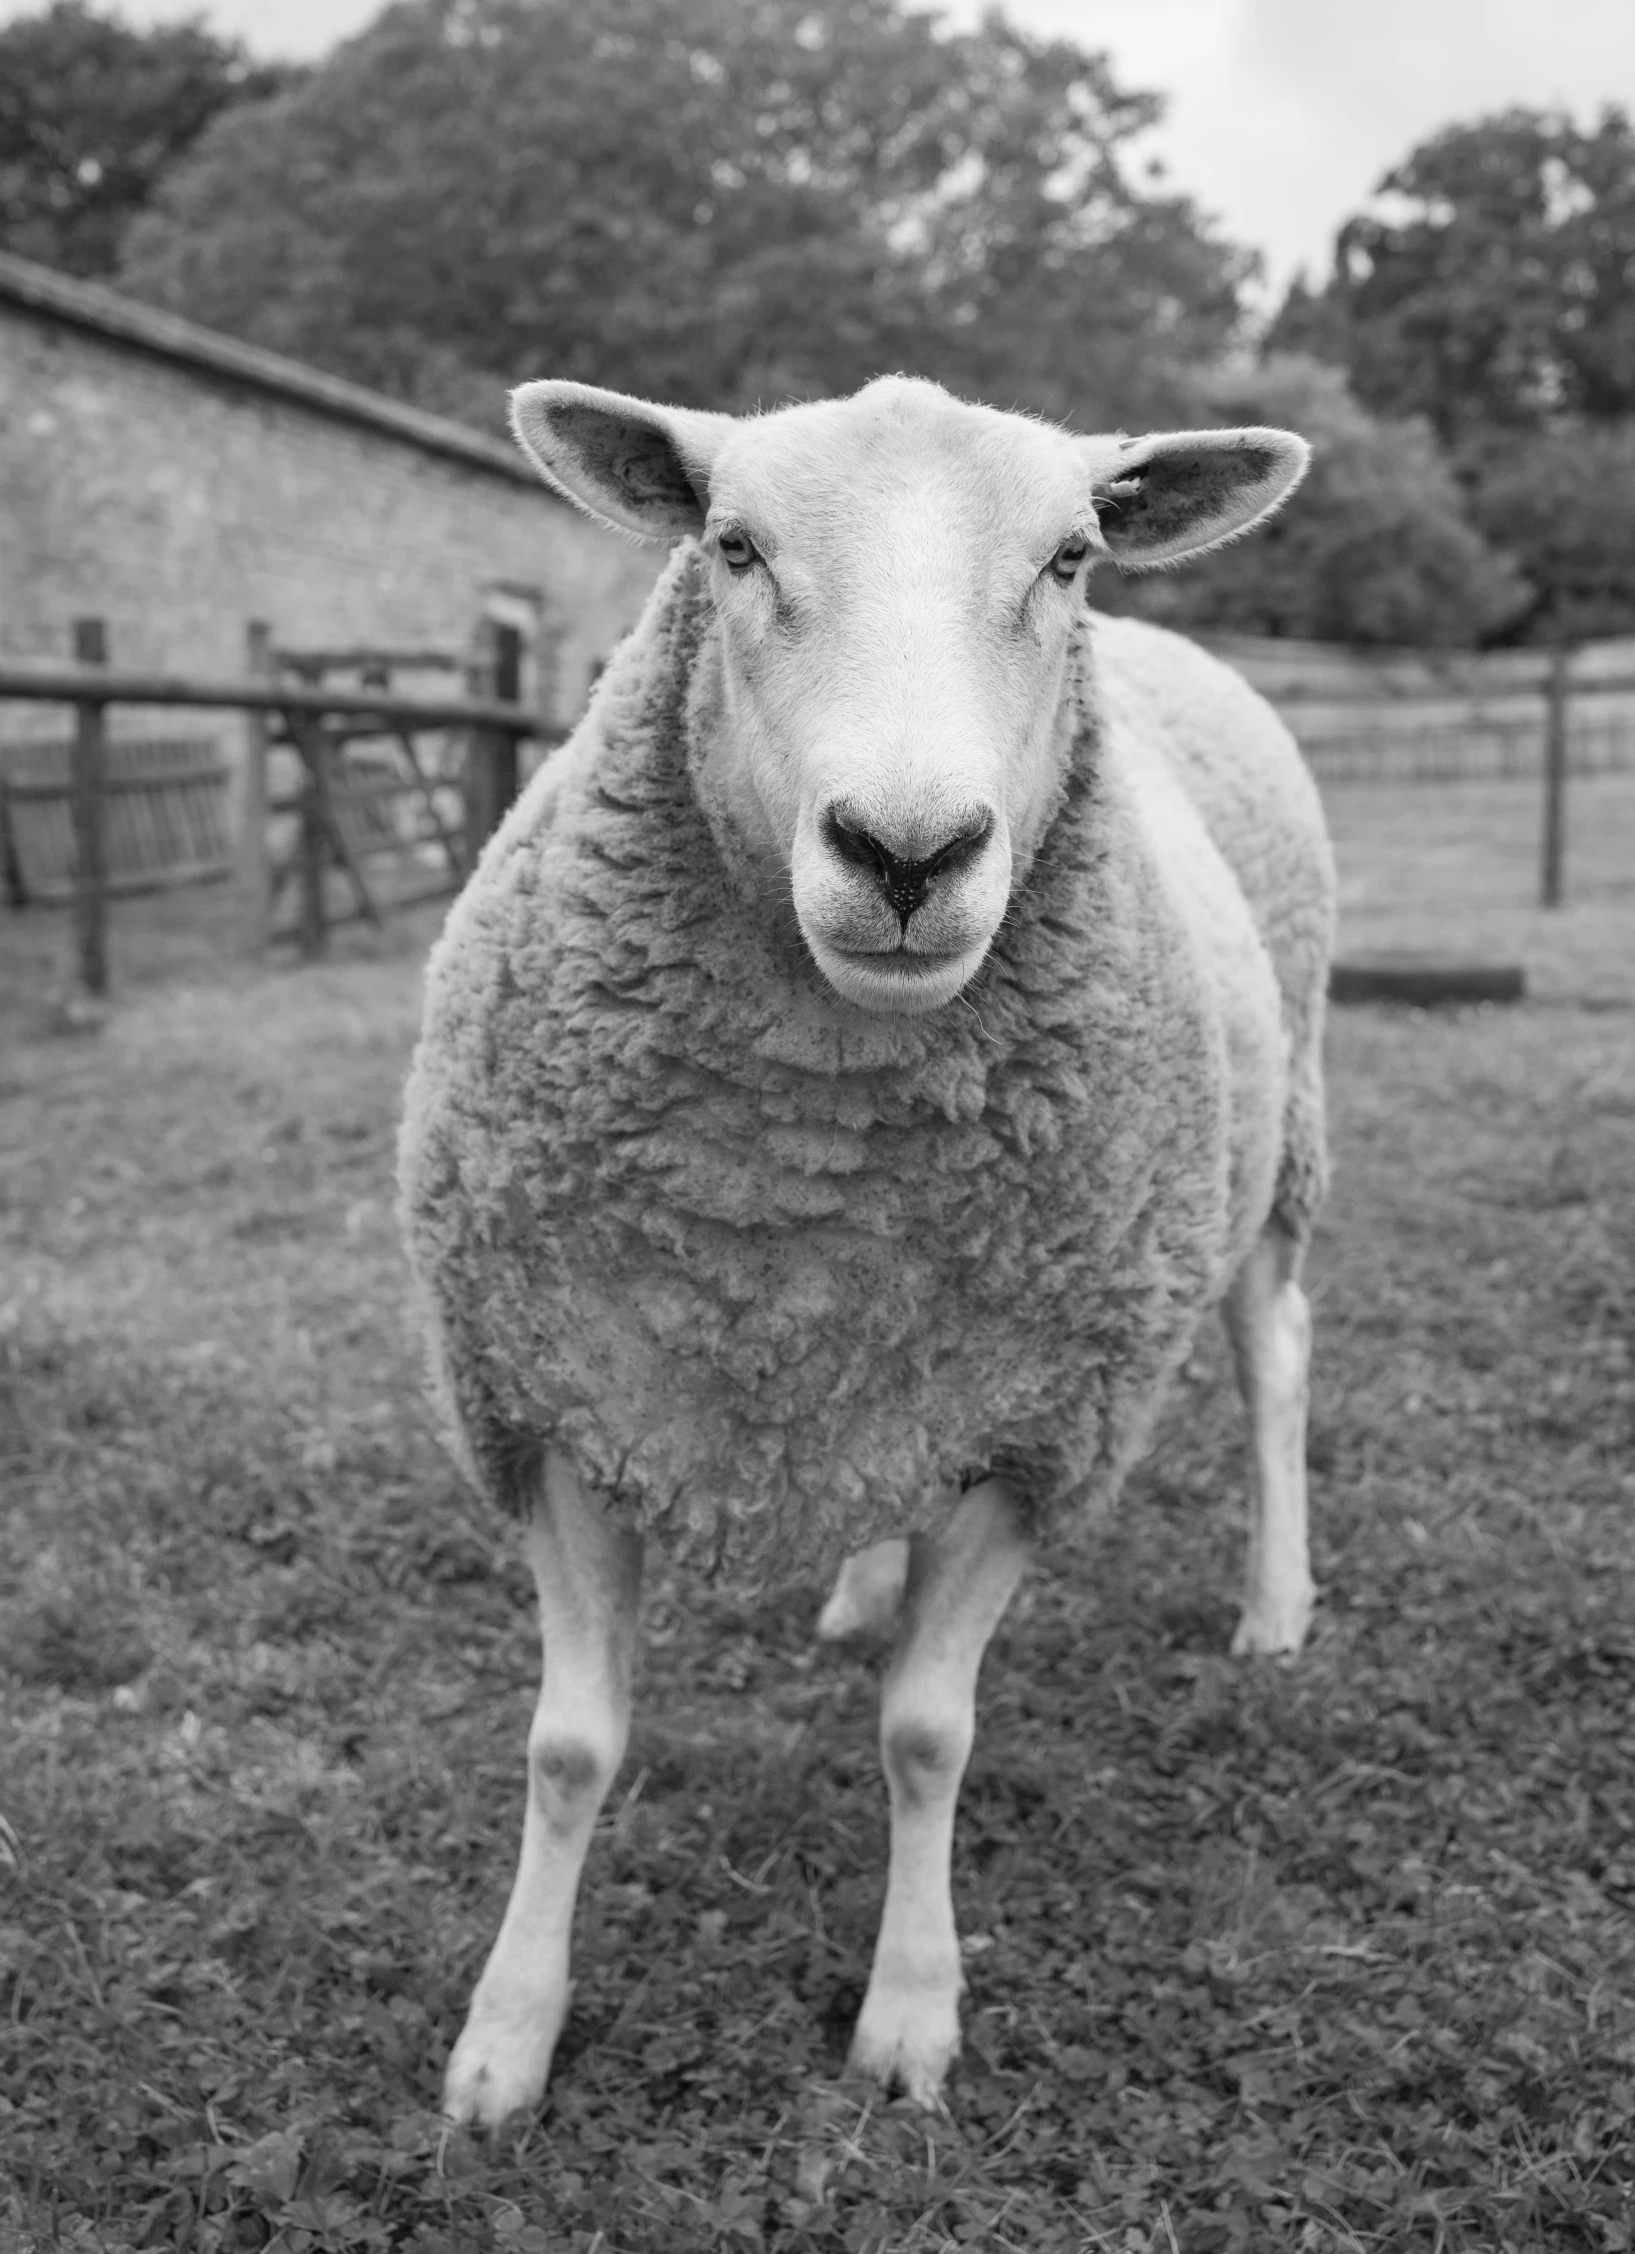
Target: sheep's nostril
(904,878)
(963,847)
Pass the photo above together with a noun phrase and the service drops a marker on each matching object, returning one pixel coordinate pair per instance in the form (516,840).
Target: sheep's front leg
(1269,1323)
(960,1580)
(589,1581)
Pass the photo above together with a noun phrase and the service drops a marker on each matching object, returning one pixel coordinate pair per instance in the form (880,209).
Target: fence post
(508,689)
(90,778)
(254,864)
(1555,775)
(491,757)
(313,738)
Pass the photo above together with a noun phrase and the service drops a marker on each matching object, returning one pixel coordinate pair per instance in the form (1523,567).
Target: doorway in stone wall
(510,661)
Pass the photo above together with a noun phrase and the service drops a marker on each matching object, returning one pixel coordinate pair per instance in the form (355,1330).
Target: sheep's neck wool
(773,1271)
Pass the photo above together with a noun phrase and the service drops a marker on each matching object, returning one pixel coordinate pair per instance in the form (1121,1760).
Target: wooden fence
(353,801)
(1546,725)
(1455,745)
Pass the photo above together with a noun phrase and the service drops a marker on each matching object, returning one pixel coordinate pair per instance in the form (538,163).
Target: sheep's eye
(1064,564)
(738,551)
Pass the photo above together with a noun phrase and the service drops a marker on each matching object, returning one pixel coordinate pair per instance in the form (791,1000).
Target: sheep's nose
(904,874)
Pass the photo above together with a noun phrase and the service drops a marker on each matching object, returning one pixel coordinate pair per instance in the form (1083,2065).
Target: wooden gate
(167,821)
(366,815)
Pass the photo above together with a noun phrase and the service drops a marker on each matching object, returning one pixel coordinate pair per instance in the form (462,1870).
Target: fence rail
(1407,748)
(79,685)
(346,810)
(1385,693)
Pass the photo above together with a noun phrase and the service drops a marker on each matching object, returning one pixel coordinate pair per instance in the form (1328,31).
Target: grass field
(1334,1956)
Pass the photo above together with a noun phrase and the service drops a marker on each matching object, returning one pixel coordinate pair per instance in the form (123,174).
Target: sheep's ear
(1175,494)
(641,468)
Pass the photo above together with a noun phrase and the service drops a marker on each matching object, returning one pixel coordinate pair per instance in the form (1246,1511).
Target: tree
(1375,546)
(1492,289)
(92,115)
(1562,503)
(717,202)
(1492,286)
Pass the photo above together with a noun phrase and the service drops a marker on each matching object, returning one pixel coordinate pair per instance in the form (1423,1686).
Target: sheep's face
(885,711)
(897,595)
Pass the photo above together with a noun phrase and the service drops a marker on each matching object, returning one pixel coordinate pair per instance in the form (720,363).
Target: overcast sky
(1282,113)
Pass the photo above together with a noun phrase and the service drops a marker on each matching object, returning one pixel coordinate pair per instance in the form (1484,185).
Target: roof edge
(125,320)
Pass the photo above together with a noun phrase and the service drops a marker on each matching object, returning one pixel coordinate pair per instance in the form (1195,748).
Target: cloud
(1283,114)
(1368,84)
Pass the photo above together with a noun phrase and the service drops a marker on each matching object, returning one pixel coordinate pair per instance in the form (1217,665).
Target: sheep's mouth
(897,962)
(896,981)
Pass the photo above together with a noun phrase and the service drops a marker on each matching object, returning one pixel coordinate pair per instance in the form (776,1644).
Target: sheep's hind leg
(960,1580)
(589,1580)
(1269,1324)
(868,1593)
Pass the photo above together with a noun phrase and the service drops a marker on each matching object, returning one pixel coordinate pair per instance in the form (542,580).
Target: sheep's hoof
(500,2065)
(868,1593)
(1274,1625)
(909,2051)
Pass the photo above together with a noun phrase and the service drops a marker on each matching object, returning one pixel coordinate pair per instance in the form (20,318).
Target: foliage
(1261,1958)
(93,112)
(1492,286)
(1491,289)
(698,200)
(1375,546)
(1562,502)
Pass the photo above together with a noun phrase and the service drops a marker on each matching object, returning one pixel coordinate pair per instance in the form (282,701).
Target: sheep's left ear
(1180,492)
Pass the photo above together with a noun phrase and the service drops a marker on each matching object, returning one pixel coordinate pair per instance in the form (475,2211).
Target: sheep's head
(898,578)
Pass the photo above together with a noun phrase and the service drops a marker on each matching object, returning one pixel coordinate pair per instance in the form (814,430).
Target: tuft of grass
(1337,1956)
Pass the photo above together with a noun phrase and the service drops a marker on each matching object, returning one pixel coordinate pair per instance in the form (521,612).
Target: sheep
(859,1059)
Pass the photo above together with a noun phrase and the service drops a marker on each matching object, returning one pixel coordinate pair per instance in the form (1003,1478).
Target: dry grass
(1329,1957)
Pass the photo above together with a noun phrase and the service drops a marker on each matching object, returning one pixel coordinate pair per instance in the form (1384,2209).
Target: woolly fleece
(776,1273)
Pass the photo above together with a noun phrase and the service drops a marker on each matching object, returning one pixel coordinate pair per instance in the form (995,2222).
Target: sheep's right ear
(641,468)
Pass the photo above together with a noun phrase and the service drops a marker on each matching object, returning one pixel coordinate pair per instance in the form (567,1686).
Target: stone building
(179,484)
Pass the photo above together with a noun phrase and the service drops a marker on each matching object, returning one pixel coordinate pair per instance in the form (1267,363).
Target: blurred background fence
(338,799)
(1365,716)
(355,784)
(1458,741)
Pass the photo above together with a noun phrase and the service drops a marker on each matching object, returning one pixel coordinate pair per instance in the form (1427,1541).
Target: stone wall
(178,495)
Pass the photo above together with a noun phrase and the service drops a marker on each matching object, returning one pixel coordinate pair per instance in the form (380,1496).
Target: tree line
(732,203)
